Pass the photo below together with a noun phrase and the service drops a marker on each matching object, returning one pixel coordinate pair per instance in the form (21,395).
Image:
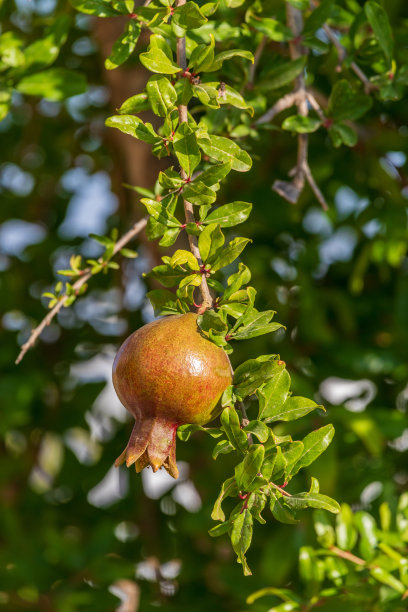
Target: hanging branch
(86,274)
(368,86)
(188,207)
(300,97)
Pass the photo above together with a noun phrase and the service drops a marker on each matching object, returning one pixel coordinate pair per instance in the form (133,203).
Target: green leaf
(165,302)
(100,8)
(156,60)
(162,95)
(312,500)
(124,46)
(315,444)
(378,20)
(210,241)
(368,537)
(318,17)
(220,58)
(381,575)
(166,275)
(257,326)
(214,174)
(229,253)
(202,57)
(188,16)
(340,133)
(211,321)
(186,148)
(223,447)
(129,253)
(344,103)
(346,533)
(284,594)
(274,394)
(45,51)
(220,529)
(282,75)
(54,84)
(272,28)
(241,536)
(224,94)
(293,408)
(248,469)
(132,125)
(159,212)
(232,428)
(225,150)
(228,489)
(184,431)
(181,257)
(323,528)
(281,512)
(251,374)
(230,214)
(258,429)
(198,193)
(135,104)
(301,124)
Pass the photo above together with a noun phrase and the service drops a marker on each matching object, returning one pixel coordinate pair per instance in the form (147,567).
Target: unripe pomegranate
(167,374)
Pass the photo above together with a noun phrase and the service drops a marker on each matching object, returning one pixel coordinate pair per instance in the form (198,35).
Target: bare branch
(257,57)
(368,86)
(84,278)
(188,207)
(309,177)
(282,104)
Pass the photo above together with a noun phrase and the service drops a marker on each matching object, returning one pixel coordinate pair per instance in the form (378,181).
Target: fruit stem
(188,207)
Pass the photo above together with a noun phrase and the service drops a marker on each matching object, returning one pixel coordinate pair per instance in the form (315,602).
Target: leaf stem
(188,207)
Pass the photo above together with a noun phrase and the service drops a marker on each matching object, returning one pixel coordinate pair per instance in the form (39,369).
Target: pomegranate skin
(167,374)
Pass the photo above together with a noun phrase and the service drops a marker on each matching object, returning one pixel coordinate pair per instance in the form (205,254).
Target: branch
(85,276)
(344,554)
(301,97)
(245,420)
(257,57)
(368,86)
(188,207)
(282,104)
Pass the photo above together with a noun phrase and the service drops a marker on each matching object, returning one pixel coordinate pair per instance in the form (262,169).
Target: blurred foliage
(339,281)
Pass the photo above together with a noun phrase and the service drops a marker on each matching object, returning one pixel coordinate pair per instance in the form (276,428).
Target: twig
(282,104)
(309,177)
(299,97)
(188,207)
(84,278)
(316,106)
(368,86)
(285,493)
(295,22)
(344,554)
(245,420)
(257,57)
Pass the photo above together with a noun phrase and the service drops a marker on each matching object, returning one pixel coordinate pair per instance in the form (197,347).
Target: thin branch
(368,86)
(257,57)
(282,104)
(188,207)
(344,554)
(316,106)
(245,420)
(84,278)
(319,195)
(285,493)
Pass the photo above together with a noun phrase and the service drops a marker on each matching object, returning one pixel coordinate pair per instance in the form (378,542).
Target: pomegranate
(167,374)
